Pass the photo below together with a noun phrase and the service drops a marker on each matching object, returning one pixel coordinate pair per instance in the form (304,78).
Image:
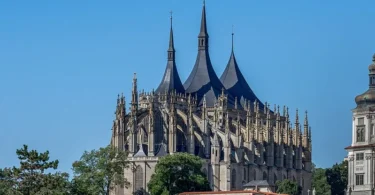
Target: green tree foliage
(140,192)
(337,178)
(30,178)
(98,171)
(288,187)
(319,182)
(177,173)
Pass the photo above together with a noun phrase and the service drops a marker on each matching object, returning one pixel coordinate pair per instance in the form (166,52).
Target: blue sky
(62,64)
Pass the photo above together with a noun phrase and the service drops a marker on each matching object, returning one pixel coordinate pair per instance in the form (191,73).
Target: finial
(373,58)
(204,2)
(306,119)
(222,91)
(297,120)
(232,36)
(171,17)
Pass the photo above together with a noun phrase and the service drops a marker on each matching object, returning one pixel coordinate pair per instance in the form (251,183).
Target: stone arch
(233,179)
(138,184)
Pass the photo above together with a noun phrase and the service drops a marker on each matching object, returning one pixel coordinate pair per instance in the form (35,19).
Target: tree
(177,173)
(98,171)
(319,182)
(140,192)
(30,177)
(337,178)
(8,182)
(288,187)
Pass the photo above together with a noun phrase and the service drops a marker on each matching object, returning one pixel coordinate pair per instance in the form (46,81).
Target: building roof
(203,79)
(259,183)
(141,152)
(242,192)
(235,83)
(162,150)
(171,80)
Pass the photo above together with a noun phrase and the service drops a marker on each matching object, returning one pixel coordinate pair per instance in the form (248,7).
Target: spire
(234,81)
(171,50)
(203,31)
(171,79)
(203,79)
(306,125)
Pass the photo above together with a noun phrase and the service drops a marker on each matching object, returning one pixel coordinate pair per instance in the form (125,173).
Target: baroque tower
(361,151)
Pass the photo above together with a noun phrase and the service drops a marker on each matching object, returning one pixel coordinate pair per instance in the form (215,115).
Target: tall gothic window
(233,180)
(274,178)
(138,178)
(265,176)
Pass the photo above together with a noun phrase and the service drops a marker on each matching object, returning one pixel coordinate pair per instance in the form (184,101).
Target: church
(239,137)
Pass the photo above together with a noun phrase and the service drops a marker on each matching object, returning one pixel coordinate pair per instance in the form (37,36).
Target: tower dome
(369,96)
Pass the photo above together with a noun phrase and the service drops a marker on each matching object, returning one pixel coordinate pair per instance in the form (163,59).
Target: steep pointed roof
(235,83)
(203,79)
(171,79)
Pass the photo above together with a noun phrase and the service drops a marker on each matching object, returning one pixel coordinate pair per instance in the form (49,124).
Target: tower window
(359,179)
(361,121)
(360,134)
(360,130)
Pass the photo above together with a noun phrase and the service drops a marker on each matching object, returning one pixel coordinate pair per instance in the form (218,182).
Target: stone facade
(239,138)
(361,164)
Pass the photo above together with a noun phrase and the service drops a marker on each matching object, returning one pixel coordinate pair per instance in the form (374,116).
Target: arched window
(274,178)
(265,176)
(233,180)
(360,134)
(294,178)
(138,178)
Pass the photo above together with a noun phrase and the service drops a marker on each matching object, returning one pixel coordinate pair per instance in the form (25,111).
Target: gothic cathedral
(238,137)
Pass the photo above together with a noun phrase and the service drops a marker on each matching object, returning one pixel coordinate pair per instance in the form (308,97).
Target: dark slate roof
(235,83)
(203,79)
(259,183)
(162,150)
(171,79)
(141,152)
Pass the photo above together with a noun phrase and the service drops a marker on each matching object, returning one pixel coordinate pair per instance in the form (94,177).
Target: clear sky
(62,64)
